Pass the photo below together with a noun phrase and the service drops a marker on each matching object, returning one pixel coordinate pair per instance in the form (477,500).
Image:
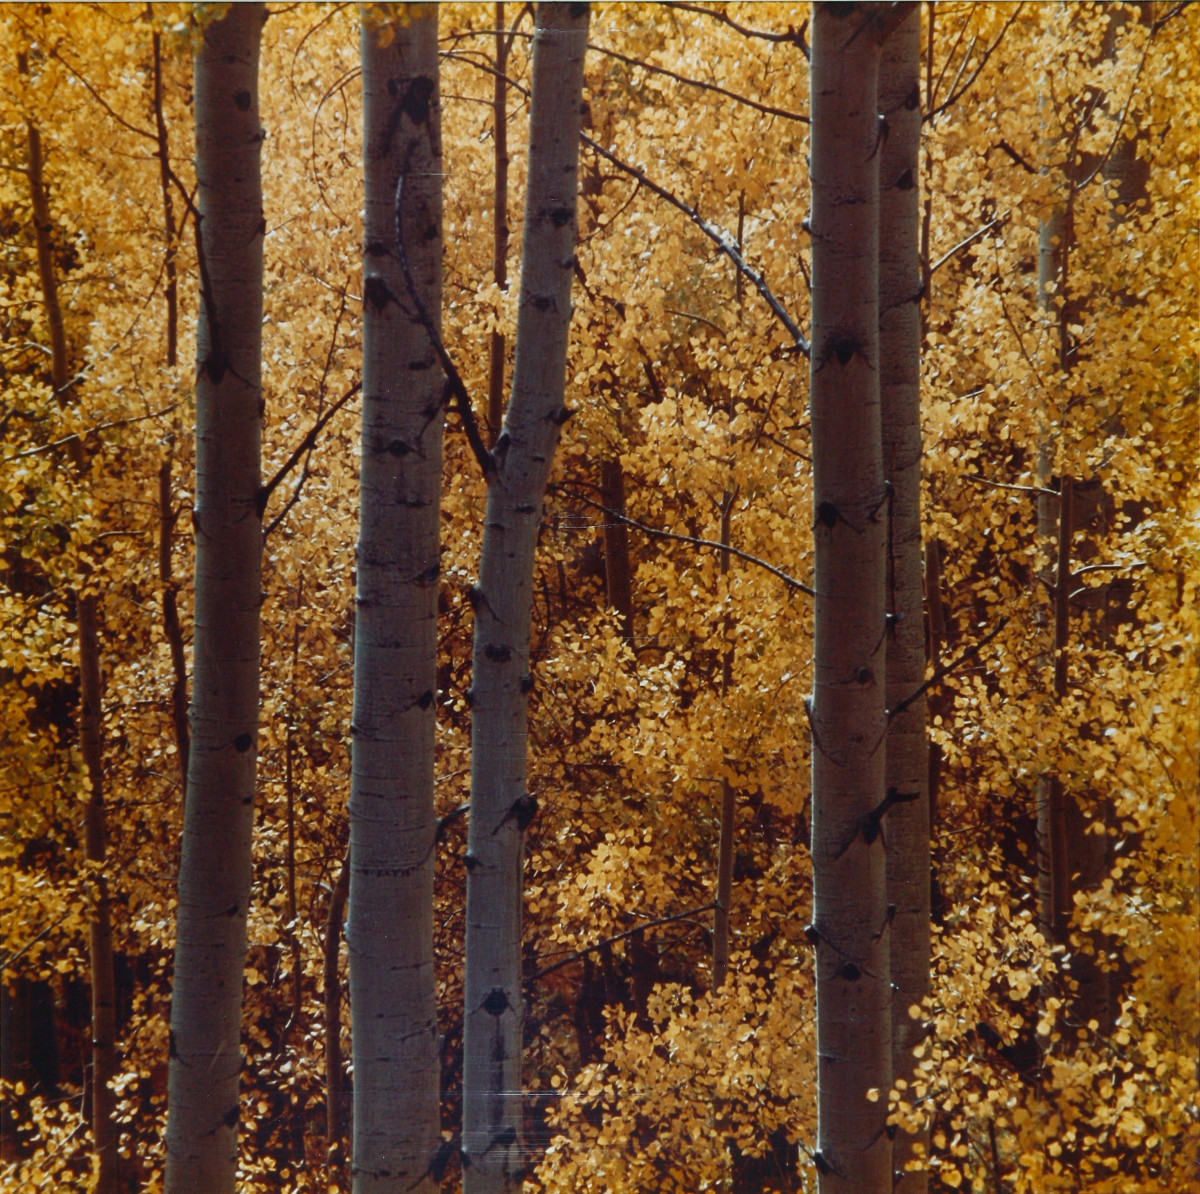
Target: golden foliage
(682,376)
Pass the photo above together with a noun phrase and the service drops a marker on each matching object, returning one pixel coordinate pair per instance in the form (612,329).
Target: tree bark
(389,930)
(91,729)
(500,805)
(846,711)
(215,870)
(907,767)
(495,415)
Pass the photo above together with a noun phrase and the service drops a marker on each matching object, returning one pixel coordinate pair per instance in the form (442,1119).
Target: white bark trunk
(492,1153)
(392,823)
(907,768)
(847,709)
(214,876)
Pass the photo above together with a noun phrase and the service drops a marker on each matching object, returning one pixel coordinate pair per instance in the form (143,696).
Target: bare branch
(945,670)
(693,541)
(970,240)
(264,494)
(58,443)
(717,235)
(794,37)
(650,924)
(955,96)
(670,74)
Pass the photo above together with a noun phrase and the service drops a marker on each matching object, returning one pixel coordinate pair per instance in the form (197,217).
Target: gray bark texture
(847,712)
(389,929)
(907,767)
(500,808)
(215,870)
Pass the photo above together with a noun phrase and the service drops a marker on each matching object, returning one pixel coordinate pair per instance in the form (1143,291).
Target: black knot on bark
(242,99)
(905,181)
(416,102)
(497,652)
(496,1003)
(850,972)
(560,216)
(242,743)
(425,699)
(398,448)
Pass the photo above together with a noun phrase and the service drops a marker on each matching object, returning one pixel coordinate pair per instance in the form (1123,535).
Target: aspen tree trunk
(846,711)
(907,768)
(500,808)
(495,415)
(91,729)
(215,870)
(389,930)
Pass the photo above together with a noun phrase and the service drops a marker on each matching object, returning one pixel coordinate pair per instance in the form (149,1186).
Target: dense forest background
(1058,223)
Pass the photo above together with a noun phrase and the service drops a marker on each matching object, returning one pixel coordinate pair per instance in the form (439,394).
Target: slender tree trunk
(335,1080)
(907,768)
(500,806)
(215,870)
(728,795)
(847,713)
(172,630)
(91,730)
(392,821)
(495,415)
(289,768)
(618,583)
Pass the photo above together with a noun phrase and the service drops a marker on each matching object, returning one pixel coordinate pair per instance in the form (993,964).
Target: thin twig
(716,234)
(650,924)
(733,95)
(942,672)
(58,443)
(1035,489)
(794,37)
(955,96)
(970,240)
(693,541)
(264,494)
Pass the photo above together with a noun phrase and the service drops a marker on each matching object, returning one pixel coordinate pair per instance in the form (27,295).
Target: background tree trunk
(907,768)
(500,804)
(91,730)
(335,1079)
(847,711)
(215,870)
(392,823)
